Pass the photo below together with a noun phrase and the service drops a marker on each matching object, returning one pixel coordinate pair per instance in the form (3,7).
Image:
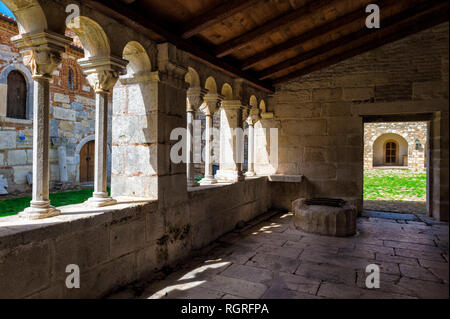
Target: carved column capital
(102,73)
(42,51)
(253,116)
(211,103)
(195,98)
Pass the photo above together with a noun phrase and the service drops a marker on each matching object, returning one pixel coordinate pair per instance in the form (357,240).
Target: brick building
(71,117)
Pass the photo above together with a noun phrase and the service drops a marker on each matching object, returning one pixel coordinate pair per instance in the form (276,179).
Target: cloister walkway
(268,258)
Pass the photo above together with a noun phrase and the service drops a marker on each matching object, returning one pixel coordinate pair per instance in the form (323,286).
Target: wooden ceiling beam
(140,22)
(270,26)
(387,24)
(215,16)
(297,41)
(413,27)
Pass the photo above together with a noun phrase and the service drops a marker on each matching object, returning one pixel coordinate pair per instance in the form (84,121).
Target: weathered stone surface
(7,139)
(325,220)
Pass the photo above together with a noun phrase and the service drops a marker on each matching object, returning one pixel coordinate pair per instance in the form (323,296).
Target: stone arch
(92,36)
(30,88)
(378,149)
(78,149)
(192,78)
(262,106)
(227,91)
(138,60)
(29,15)
(253,102)
(210,85)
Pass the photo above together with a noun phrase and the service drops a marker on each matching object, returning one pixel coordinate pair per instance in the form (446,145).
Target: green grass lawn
(395,184)
(12,206)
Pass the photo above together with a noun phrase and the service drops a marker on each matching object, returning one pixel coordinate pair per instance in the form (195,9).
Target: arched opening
(138,60)
(211,85)
(227,91)
(92,37)
(390,149)
(16,95)
(29,15)
(70,79)
(87,160)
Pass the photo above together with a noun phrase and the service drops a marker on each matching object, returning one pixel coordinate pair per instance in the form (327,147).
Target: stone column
(194,100)
(252,118)
(42,53)
(209,107)
(102,74)
(231,142)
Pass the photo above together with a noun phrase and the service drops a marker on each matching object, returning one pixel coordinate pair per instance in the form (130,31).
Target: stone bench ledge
(286,178)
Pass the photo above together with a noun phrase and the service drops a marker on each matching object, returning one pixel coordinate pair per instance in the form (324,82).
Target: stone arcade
(313,85)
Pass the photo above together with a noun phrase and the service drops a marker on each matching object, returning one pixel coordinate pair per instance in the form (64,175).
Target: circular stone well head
(324,220)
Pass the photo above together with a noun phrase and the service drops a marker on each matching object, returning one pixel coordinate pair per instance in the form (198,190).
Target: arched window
(391,149)
(70,80)
(16,96)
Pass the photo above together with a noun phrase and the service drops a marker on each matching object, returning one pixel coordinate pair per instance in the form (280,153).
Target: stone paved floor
(412,207)
(271,259)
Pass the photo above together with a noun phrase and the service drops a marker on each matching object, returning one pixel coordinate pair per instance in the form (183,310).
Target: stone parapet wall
(116,246)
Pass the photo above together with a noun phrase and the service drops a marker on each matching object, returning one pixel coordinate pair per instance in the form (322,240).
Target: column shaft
(40,203)
(100,196)
(190,149)
(208,161)
(251,153)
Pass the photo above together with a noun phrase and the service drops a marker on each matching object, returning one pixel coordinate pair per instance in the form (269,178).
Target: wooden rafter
(434,17)
(139,21)
(215,16)
(297,41)
(272,25)
(389,22)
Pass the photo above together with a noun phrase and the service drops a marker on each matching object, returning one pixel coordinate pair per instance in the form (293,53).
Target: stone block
(20,173)
(7,140)
(127,237)
(24,270)
(64,114)
(16,157)
(324,220)
(358,94)
(304,127)
(85,100)
(85,249)
(327,94)
(61,98)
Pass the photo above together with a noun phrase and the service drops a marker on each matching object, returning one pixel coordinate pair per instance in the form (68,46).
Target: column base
(226,176)
(100,200)
(34,212)
(208,180)
(192,184)
(250,174)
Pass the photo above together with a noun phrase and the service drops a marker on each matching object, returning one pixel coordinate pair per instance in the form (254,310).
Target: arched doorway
(16,96)
(390,152)
(87,160)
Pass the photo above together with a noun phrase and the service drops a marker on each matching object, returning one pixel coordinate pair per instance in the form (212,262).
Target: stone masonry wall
(410,131)
(119,245)
(319,115)
(72,114)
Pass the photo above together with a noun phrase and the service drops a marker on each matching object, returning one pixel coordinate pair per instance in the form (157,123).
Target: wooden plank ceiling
(272,41)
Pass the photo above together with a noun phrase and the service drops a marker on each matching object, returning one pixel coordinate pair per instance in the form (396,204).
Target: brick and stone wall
(320,115)
(71,115)
(413,133)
